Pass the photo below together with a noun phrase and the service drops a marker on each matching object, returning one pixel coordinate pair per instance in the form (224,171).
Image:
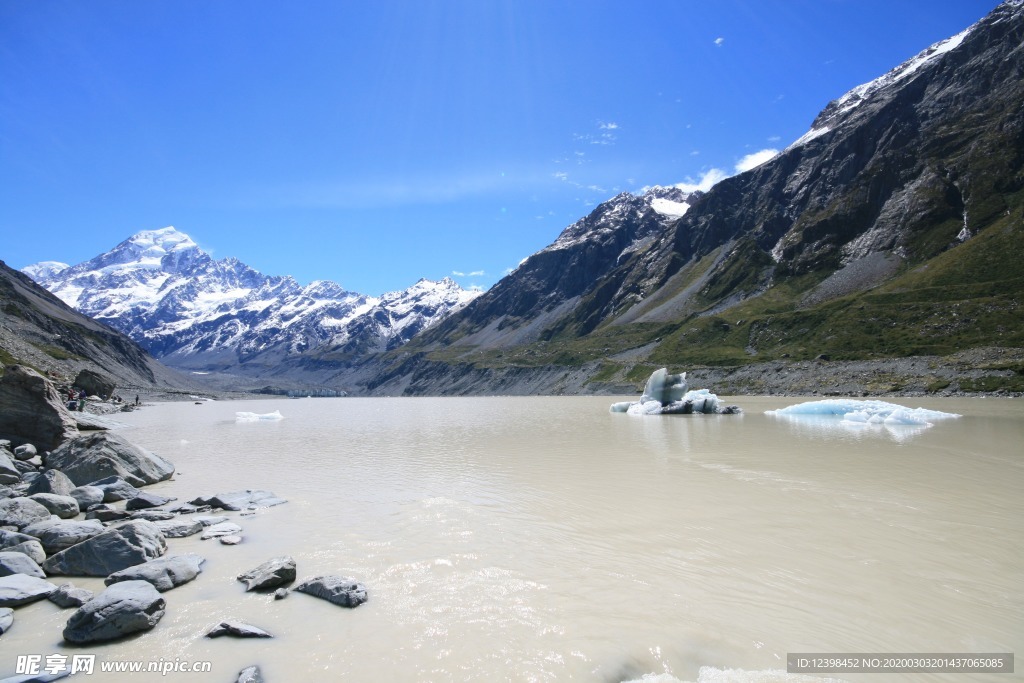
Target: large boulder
(20,512)
(21,589)
(64,507)
(31,409)
(115,489)
(87,459)
(61,535)
(22,543)
(164,573)
(95,384)
(51,481)
(336,589)
(122,609)
(9,472)
(19,563)
(115,549)
(271,574)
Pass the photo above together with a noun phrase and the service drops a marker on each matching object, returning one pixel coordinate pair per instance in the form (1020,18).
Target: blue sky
(375,143)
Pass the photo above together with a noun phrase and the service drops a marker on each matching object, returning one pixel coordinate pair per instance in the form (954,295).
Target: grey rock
(281,593)
(21,589)
(26,466)
(108,515)
(336,589)
(164,573)
(222,529)
(87,496)
(67,595)
(25,451)
(95,384)
(240,500)
(9,471)
(179,528)
(20,512)
(22,543)
(32,549)
(122,609)
(209,521)
(237,629)
(12,562)
(271,574)
(152,515)
(187,509)
(64,507)
(32,411)
(116,548)
(250,674)
(87,459)
(58,535)
(146,500)
(230,540)
(115,489)
(6,619)
(52,481)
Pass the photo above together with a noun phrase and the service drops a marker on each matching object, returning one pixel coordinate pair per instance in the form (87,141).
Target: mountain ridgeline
(891,230)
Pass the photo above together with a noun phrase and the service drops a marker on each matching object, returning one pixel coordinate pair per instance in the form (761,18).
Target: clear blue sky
(374,143)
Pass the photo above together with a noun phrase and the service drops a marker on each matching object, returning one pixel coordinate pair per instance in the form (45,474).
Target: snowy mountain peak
(44,269)
(192,311)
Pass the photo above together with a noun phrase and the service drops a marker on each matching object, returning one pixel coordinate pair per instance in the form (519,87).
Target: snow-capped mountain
(196,312)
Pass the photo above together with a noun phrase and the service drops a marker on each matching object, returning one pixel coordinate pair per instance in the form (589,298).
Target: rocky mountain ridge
(885,232)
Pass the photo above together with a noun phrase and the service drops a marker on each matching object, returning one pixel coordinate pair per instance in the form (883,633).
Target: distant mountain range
(197,313)
(893,228)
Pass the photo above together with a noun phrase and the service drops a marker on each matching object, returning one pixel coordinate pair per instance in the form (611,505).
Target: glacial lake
(546,539)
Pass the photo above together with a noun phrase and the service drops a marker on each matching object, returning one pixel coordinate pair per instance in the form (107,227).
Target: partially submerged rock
(145,500)
(164,573)
(237,629)
(122,609)
(250,674)
(67,595)
(222,529)
(116,548)
(21,589)
(248,499)
(179,528)
(271,574)
(336,589)
(93,457)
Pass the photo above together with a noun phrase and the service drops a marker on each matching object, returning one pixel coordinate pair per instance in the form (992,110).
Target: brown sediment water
(546,539)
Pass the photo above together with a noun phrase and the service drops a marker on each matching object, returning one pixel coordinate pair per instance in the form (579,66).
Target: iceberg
(242,416)
(863,412)
(666,394)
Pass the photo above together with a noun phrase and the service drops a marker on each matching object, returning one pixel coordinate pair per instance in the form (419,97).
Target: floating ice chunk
(855,411)
(666,394)
(242,416)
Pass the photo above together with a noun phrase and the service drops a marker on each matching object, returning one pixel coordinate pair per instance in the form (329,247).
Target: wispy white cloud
(719,41)
(756,159)
(709,178)
(473,273)
(611,125)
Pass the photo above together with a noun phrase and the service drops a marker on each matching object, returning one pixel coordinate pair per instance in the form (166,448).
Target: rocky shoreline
(72,504)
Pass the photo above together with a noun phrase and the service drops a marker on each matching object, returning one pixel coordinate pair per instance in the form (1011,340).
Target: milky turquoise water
(546,539)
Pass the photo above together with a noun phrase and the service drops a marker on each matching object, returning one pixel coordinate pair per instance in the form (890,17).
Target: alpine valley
(878,253)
